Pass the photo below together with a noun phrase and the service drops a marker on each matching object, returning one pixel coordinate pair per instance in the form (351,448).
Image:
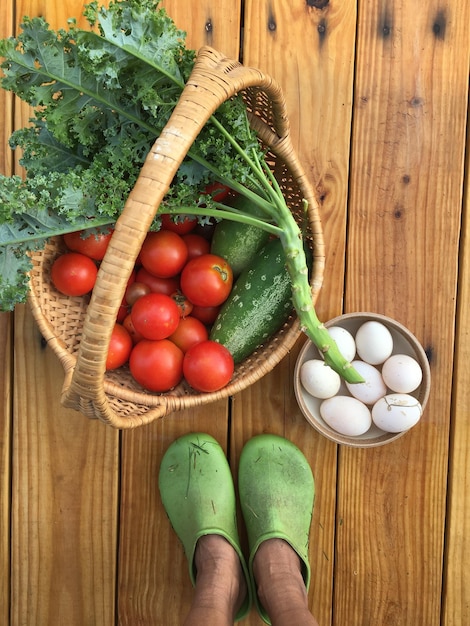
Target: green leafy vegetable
(101,97)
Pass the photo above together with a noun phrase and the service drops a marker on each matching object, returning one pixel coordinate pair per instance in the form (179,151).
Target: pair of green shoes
(276,490)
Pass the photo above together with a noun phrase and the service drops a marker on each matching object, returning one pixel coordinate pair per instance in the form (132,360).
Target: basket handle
(213,80)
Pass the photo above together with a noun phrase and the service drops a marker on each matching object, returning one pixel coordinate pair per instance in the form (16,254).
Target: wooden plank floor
(378,99)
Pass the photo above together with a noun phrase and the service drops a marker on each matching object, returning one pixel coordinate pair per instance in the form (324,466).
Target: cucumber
(258,305)
(238,243)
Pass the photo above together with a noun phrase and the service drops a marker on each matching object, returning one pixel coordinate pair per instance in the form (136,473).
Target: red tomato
(156,284)
(131,278)
(74,274)
(163,253)
(180,224)
(155,316)
(189,332)
(120,347)
(208,366)
(206,314)
(184,305)
(123,312)
(206,230)
(218,191)
(197,245)
(207,280)
(156,365)
(134,291)
(129,326)
(88,243)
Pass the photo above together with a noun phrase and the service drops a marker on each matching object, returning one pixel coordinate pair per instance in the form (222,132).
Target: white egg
(318,379)
(396,412)
(402,373)
(372,389)
(346,415)
(345,341)
(374,342)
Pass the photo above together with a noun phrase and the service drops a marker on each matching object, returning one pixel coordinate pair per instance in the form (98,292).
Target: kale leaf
(100,98)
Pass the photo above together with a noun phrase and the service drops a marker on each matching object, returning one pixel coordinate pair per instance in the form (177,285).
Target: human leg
(277,492)
(220,586)
(197,492)
(280,585)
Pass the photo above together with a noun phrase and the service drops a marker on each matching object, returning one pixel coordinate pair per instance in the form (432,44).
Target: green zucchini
(236,242)
(258,305)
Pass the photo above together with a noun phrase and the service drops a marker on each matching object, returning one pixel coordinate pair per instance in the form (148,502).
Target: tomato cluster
(74,273)
(172,297)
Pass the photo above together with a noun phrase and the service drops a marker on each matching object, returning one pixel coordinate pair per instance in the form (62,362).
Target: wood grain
(55,12)
(6,98)
(64,493)
(6,356)
(316,75)
(153,576)
(269,407)
(64,497)
(377,96)
(208,23)
(310,52)
(456,589)
(405,202)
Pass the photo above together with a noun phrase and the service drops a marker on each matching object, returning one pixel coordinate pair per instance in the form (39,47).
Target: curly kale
(100,97)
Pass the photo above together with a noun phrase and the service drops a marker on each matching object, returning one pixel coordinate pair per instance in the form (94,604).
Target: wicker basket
(79,331)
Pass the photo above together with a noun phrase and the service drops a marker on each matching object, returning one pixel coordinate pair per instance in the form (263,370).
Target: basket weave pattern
(79,331)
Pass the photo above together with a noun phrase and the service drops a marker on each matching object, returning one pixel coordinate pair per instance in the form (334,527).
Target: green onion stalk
(281,223)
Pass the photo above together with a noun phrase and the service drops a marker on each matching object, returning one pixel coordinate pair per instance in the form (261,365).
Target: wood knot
(386,30)
(398,212)
(318,4)
(272,26)
(385,24)
(429,351)
(321,28)
(439,25)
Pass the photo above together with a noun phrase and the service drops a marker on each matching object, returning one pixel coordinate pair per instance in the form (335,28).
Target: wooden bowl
(404,342)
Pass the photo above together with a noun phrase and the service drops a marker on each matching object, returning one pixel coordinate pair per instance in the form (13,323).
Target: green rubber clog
(196,488)
(277,492)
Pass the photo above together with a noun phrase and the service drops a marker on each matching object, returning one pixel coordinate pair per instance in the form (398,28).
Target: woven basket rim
(86,386)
